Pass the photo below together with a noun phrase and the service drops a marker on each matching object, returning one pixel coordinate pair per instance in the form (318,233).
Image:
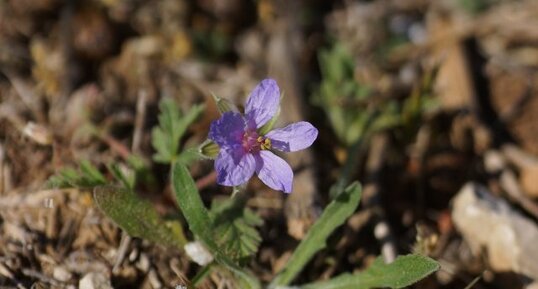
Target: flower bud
(209,149)
(224,105)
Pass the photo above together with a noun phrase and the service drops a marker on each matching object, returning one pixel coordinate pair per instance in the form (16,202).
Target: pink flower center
(252,142)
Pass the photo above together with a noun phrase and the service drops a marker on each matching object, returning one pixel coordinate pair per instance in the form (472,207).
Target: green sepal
(209,149)
(224,105)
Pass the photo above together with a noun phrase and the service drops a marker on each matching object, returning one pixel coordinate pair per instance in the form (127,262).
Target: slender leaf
(137,217)
(200,223)
(333,216)
(403,272)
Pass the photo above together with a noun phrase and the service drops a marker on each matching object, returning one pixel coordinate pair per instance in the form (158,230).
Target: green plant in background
(87,176)
(228,230)
(172,126)
(340,95)
(353,108)
(476,6)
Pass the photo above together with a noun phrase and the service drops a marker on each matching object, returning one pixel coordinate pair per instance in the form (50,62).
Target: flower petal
(262,103)
(274,171)
(294,137)
(234,167)
(228,130)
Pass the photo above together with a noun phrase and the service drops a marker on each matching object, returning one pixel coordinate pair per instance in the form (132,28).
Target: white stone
(490,224)
(61,274)
(198,253)
(94,280)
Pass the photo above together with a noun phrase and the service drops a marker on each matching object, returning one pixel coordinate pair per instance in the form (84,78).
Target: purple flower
(243,150)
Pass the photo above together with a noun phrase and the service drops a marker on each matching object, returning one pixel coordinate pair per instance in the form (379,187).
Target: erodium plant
(243,144)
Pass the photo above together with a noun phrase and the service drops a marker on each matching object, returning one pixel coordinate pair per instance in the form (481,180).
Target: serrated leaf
(403,272)
(137,217)
(200,223)
(333,216)
(172,126)
(234,226)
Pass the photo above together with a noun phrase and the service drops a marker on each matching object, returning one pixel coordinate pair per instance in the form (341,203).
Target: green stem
(202,274)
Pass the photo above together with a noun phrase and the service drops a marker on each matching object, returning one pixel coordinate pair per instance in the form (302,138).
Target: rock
(198,253)
(94,280)
(528,177)
(143,263)
(533,285)
(61,274)
(490,225)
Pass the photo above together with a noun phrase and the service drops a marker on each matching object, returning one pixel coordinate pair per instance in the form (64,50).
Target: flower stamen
(265,143)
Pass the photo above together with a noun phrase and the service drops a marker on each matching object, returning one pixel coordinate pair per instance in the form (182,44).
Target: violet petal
(262,103)
(294,137)
(234,167)
(228,130)
(274,171)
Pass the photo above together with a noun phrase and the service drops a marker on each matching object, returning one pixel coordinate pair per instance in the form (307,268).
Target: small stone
(528,177)
(94,280)
(198,253)
(489,224)
(38,133)
(61,274)
(143,263)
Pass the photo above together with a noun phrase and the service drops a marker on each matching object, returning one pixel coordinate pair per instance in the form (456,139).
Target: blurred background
(432,105)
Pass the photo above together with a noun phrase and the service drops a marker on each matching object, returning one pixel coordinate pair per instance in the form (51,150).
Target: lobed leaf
(235,227)
(172,126)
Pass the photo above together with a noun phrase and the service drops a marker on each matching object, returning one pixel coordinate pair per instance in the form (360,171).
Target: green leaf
(333,216)
(404,271)
(125,175)
(189,155)
(142,171)
(88,176)
(137,217)
(200,223)
(172,126)
(340,94)
(234,226)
